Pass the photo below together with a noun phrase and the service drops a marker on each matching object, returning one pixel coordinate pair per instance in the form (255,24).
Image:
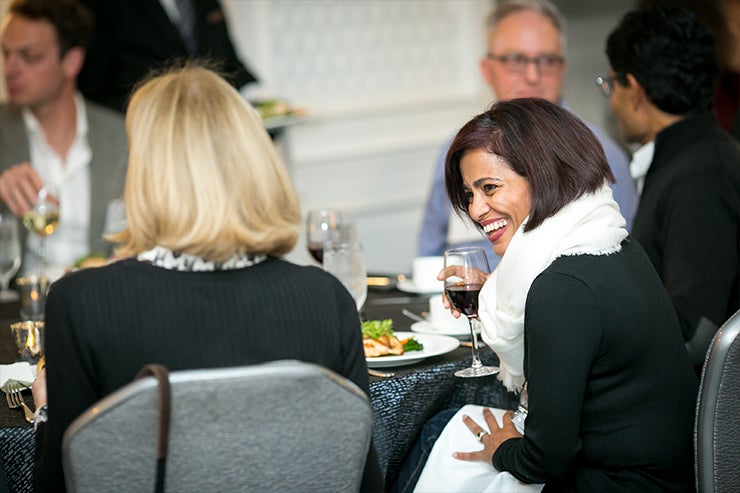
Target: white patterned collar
(167,259)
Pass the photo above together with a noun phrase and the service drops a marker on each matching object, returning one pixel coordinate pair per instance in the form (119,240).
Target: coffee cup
(442,318)
(424,273)
(28,338)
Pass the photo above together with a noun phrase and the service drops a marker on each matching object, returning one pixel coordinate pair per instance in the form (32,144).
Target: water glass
(346,261)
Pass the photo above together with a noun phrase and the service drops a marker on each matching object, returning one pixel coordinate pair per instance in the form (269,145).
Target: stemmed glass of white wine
(42,220)
(10,254)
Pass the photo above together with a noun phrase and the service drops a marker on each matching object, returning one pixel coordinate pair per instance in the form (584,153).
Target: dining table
(402,403)
(402,399)
(16,435)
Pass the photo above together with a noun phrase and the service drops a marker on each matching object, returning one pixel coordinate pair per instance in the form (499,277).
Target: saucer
(407,286)
(428,328)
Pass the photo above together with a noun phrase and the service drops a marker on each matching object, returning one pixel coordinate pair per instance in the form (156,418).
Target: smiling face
(498,198)
(528,34)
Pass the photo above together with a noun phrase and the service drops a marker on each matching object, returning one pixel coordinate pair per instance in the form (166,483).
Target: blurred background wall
(384,83)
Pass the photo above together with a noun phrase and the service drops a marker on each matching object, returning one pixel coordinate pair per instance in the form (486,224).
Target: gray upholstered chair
(717,427)
(275,427)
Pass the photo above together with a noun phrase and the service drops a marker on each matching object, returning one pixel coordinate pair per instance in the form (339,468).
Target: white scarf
(591,224)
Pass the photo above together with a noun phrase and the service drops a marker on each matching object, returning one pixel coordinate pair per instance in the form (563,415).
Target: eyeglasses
(606,85)
(515,63)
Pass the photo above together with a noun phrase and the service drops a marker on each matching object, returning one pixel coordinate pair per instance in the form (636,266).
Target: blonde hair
(203,177)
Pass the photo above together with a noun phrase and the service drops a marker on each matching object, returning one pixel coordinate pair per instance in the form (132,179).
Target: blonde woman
(210,210)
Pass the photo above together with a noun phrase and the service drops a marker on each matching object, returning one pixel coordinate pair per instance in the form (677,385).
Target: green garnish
(376,328)
(413,345)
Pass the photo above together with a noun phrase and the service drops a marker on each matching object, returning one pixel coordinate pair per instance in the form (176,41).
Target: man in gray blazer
(50,137)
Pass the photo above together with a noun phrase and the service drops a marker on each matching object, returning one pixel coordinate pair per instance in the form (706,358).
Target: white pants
(444,474)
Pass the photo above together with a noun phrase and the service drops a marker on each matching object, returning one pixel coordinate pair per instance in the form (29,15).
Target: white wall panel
(385,83)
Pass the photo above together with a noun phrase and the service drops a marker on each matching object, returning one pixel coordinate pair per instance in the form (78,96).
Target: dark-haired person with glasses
(661,85)
(525,57)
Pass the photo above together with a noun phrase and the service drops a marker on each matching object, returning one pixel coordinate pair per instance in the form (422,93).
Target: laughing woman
(576,314)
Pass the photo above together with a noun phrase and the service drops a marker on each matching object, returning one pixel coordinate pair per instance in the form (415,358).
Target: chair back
(717,425)
(274,427)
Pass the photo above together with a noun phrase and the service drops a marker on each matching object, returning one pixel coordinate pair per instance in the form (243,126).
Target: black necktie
(186,26)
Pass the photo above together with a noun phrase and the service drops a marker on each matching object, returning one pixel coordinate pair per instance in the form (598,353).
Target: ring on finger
(480,435)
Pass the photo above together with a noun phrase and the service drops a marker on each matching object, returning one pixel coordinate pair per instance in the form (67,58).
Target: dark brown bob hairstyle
(549,146)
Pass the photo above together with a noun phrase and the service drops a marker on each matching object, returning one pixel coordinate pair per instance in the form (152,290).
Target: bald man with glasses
(524,58)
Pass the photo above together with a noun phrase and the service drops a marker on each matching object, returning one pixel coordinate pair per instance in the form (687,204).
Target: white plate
(462,333)
(408,286)
(434,345)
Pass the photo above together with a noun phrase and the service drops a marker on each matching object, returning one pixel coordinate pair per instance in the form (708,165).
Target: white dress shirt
(640,164)
(69,180)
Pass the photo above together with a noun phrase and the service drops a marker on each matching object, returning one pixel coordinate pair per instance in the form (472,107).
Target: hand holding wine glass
(10,254)
(466,270)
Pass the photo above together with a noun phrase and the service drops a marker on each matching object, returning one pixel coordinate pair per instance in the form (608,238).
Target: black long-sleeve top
(688,219)
(611,389)
(104,324)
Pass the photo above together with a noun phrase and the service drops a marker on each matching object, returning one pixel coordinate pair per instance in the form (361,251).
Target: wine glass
(42,220)
(10,255)
(345,259)
(319,226)
(466,269)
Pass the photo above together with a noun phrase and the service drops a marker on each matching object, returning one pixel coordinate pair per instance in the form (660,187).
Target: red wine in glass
(464,297)
(321,226)
(465,271)
(317,252)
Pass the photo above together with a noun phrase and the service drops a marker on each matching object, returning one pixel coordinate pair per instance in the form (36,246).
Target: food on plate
(379,340)
(271,108)
(91,261)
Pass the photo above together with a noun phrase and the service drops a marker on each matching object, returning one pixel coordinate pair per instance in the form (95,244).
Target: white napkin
(444,474)
(23,372)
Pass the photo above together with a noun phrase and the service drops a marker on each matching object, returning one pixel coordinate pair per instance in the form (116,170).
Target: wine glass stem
(474,339)
(42,256)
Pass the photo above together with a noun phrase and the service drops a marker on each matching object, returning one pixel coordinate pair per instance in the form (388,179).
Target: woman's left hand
(38,389)
(491,441)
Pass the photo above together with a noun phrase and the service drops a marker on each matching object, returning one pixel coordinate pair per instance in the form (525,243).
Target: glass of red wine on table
(466,269)
(327,226)
(320,226)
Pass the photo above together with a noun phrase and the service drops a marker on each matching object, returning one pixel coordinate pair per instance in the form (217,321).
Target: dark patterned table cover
(17,448)
(16,436)
(403,403)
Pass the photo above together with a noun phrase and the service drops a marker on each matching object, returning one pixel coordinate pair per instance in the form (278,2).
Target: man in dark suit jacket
(132,38)
(662,80)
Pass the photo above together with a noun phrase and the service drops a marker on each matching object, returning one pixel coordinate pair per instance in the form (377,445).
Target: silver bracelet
(39,416)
